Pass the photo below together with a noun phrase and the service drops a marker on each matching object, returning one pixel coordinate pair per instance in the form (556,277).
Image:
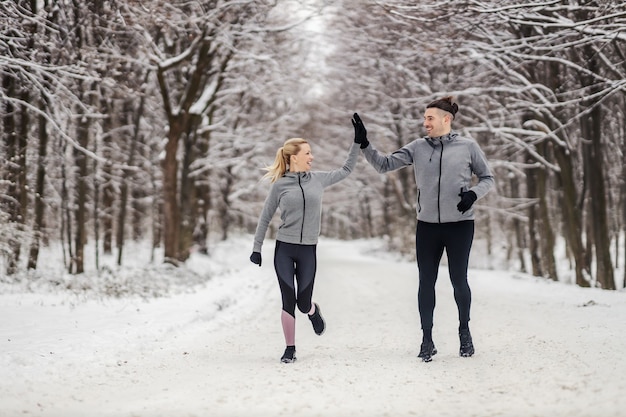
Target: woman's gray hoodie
(299,197)
(443,168)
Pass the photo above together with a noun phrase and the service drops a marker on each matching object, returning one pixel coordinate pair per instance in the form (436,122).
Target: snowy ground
(210,344)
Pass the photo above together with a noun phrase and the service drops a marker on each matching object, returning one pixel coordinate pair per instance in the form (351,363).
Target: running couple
(444,164)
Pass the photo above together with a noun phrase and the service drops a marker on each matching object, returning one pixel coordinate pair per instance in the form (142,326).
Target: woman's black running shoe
(317,320)
(289,355)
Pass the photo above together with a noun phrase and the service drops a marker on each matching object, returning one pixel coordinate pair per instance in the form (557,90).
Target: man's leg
(429,249)
(458,246)
(458,240)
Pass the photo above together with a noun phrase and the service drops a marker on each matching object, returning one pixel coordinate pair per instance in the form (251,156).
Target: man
(444,164)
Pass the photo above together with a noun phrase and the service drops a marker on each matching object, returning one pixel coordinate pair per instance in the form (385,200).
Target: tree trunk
(623,205)
(534,229)
(15,138)
(170,193)
(139,212)
(188,198)
(10,174)
(40,178)
(597,197)
(387,216)
(623,199)
(365,207)
(157,215)
(572,218)
(591,129)
(66,214)
(40,207)
(80,212)
(547,239)
(108,189)
(96,207)
(224,207)
(572,212)
(203,192)
(127,176)
(21,162)
(518,242)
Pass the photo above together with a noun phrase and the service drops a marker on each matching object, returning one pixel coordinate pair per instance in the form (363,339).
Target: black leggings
(430,241)
(299,262)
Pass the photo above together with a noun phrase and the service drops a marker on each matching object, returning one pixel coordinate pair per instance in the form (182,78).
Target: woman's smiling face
(303,160)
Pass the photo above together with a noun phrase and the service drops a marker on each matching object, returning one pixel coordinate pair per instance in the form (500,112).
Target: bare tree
(535,73)
(153,117)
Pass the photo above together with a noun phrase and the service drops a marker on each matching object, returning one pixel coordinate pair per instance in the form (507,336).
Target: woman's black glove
(255,258)
(360,134)
(467,200)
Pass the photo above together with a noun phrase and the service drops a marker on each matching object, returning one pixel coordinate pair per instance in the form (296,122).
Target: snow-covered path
(542,349)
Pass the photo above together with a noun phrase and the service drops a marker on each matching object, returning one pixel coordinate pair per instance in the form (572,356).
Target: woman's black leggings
(299,262)
(430,241)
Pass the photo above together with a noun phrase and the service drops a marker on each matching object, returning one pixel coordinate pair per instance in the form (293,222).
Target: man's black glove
(360,134)
(467,200)
(255,258)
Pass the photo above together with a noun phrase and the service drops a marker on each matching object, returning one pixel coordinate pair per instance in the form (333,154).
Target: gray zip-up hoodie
(443,168)
(299,197)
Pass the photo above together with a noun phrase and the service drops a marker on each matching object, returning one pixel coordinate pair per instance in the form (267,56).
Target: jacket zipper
(439,184)
(303,208)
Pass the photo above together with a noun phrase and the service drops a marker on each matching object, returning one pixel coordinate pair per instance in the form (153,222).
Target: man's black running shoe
(427,351)
(289,355)
(467,347)
(317,320)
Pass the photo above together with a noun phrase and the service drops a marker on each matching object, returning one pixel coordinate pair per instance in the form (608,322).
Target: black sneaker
(289,355)
(317,320)
(427,351)
(467,347)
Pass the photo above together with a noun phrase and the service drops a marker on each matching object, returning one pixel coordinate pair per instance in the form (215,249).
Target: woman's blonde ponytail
(283,155)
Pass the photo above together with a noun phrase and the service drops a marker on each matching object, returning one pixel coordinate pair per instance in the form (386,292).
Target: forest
(152,120)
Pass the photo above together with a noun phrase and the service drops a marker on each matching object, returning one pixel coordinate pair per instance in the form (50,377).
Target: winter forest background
(150,121)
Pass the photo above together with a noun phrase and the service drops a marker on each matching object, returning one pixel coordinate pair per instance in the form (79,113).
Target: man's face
(436,122)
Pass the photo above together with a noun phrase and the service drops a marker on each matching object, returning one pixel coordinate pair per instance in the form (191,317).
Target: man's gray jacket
(443,168)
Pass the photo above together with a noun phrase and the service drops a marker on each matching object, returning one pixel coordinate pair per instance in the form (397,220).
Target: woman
(297,192)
